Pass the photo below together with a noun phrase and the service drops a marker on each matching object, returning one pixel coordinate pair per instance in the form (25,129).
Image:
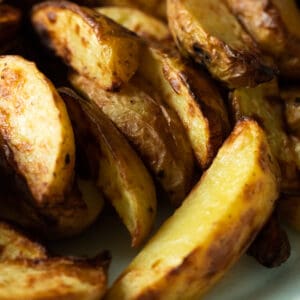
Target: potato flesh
(212,228)
(89,42)
(36,128)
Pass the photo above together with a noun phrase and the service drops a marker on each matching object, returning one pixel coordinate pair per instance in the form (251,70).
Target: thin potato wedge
(193,97)
(144,25)
(140,118)
(208,32)
(10,19)
(121,175)
(275,26)
(89,42)
(213,227)
(14,245)
(263,103)
(36,137)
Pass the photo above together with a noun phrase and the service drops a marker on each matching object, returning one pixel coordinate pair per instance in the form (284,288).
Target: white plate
(247,280)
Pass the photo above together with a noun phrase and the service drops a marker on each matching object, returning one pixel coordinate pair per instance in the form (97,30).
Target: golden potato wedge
(275,26)
(291,97)
(271,248)
(289,209)
(14,245)
(10,19)
(152,7)
(53,278)
(263,103)
(121,175)
(89,42)
(193,96)
(213,227)
(36,137)
(144,25)
(209,33)
(140,118)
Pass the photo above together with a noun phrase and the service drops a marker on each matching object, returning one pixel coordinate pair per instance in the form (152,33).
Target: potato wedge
(121,175)
(89,42)
(144,25)
(53,278)
(213,227)
(14,245)
(263,103)
(209,33)
(36,137)
(291,97)
(271,248)
(140,118)
(275,26)
(193,96)
(152,7)
(10,19)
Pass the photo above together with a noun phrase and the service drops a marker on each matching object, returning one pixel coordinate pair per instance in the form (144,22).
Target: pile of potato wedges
(193,101)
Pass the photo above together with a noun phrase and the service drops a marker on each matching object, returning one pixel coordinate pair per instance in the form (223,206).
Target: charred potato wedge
(213,227)
(192,96)
(144,25)
(36,136)
(263,103)
(152,7)
(89,42)
(291,97)
(121,174)
(10,19)
(219,43)
(275,26)
(140,118)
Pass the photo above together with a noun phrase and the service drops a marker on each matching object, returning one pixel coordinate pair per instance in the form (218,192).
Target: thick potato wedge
(14,245)
(140,118)
(291,97)
(275,26)
(36,137)
(208,32)
(152,7)
(271,248)
(10,19)
(264,104)
(144,25)
(213,227)
(193,96)
(89,42)
(121,174)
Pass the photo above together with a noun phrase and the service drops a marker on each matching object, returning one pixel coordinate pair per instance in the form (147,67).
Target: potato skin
(274,25)
(36,137)
(213,227)
(235,60)
(89,42)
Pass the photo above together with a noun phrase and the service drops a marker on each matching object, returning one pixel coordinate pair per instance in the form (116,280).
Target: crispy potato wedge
(289,209)
(36,137)
(121,174)
(53,278)
(275,26)
(140,118)
(264,104)
(291,97)
(271,248)
(152,7)
(10,19)
(14,245)
(209,33)
(89,42)
(193,96)
(213,227)
(144,25)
